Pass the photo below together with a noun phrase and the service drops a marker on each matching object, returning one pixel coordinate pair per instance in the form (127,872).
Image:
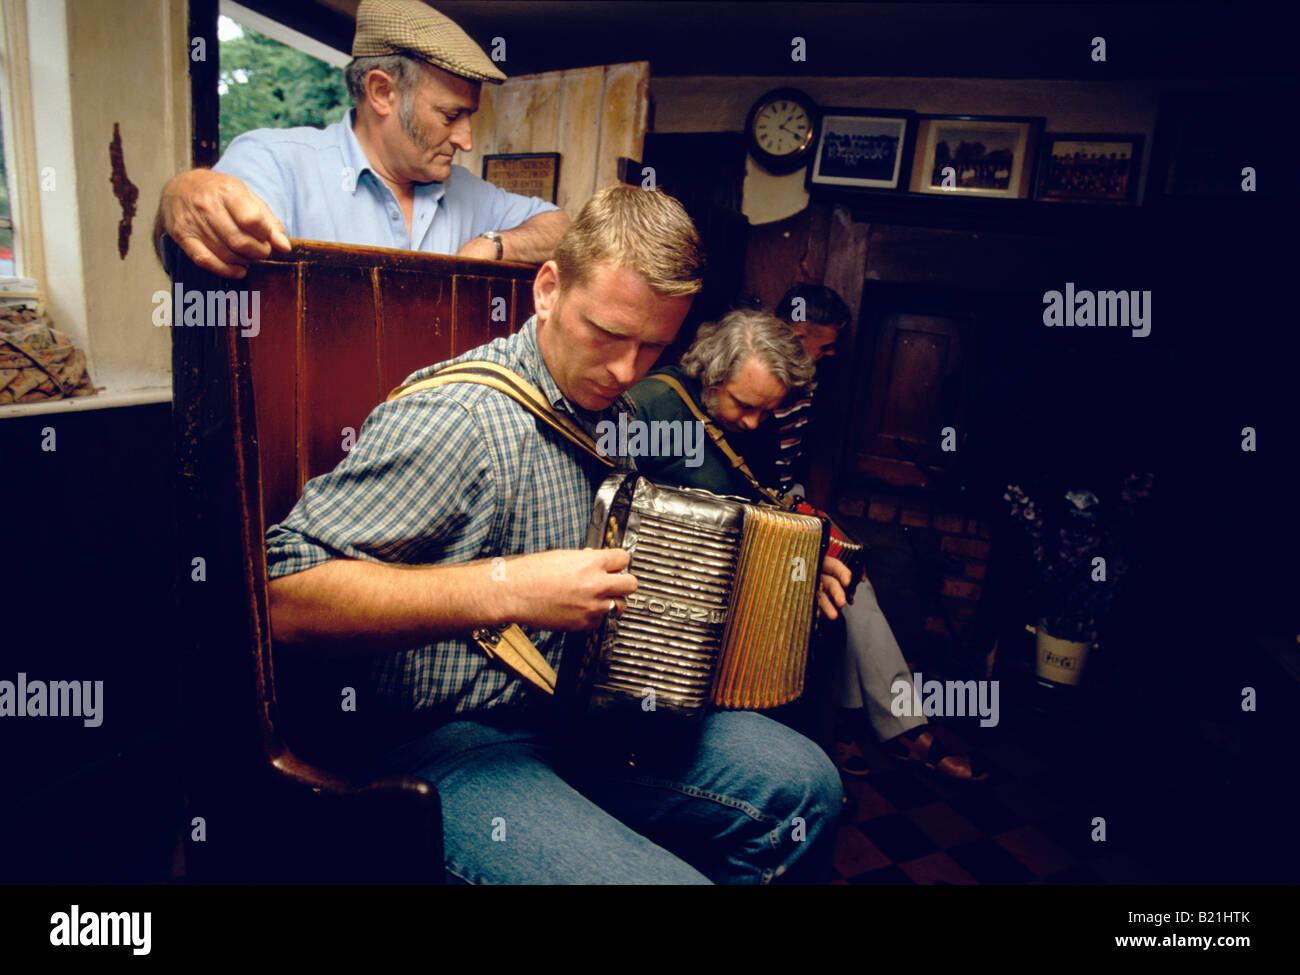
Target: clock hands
(781,126)
(789,117)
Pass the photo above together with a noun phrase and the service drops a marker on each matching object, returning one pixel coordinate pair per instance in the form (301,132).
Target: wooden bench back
(341,326)
(257,410)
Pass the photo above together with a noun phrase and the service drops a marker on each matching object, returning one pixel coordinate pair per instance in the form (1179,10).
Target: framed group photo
(1089,168)
(863,148)
(967,155)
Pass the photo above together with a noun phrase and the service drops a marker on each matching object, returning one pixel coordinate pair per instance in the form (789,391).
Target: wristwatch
(495,237)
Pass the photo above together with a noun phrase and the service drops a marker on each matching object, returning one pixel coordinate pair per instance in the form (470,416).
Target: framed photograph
(1089,168)
(526,173)
(863,148)
(969,155)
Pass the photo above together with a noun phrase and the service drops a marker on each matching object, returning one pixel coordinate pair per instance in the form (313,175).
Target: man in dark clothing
(740,371)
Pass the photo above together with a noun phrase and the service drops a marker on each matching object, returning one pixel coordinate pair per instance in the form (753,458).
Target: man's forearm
(533,240)
(382,607)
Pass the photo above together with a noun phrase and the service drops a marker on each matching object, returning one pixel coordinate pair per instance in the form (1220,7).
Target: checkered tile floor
(1025,825)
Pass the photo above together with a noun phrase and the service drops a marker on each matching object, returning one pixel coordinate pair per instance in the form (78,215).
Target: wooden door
(915,391)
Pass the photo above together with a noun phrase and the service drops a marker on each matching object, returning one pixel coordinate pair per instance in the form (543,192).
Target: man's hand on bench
(219,222)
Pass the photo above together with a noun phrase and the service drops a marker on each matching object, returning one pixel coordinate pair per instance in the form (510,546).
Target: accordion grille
(668,638)
(765,648)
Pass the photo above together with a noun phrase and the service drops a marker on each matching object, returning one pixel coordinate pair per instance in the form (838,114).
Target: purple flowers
(1081,551)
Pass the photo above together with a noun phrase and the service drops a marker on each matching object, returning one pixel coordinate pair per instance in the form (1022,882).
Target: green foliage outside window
(266,84)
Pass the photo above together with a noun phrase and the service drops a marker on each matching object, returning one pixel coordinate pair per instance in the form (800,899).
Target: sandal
(921,746)
(850,760)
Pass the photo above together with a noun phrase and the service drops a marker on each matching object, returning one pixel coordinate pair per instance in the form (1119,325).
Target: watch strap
(495,237)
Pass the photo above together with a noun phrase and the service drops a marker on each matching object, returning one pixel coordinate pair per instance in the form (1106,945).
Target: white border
(817,179)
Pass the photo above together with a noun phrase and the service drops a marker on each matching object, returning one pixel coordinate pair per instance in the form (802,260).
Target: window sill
(103,400)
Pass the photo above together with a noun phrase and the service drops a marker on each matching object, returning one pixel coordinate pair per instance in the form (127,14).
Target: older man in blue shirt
(382,176)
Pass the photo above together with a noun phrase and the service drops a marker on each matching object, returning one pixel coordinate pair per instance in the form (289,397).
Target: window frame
(21,174)
(62,58)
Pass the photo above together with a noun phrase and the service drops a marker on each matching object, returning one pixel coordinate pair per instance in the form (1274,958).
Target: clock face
(782,130)
(782,127)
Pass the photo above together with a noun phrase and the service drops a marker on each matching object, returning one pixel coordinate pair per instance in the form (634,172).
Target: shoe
(921,746)
(850,760)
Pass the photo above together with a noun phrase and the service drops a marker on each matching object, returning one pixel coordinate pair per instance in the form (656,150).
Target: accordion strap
(510,645)
(720,442)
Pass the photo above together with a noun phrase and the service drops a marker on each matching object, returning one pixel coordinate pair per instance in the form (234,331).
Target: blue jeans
(748,801)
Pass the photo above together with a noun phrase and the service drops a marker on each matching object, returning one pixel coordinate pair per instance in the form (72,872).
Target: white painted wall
(128,63)
(93,64)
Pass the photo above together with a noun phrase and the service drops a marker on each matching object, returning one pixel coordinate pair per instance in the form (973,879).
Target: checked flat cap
(416,29)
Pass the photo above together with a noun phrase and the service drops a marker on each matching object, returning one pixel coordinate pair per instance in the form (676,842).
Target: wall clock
(782,130)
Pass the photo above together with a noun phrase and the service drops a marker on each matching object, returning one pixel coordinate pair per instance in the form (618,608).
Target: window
(110,87)
(21,263)
(272,77)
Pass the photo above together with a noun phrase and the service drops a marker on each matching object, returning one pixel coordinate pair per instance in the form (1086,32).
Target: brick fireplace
(929,562)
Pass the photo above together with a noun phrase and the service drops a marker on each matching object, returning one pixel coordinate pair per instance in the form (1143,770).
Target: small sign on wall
(526,173)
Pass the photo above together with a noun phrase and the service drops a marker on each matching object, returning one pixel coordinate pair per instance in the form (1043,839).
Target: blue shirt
(321,186)
(450,475)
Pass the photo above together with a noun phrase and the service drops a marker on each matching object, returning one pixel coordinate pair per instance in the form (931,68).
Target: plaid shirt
(450,475)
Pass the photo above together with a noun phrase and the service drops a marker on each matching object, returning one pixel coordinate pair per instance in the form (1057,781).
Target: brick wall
(954,547)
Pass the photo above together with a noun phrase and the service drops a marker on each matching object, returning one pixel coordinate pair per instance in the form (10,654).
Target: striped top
(775,450)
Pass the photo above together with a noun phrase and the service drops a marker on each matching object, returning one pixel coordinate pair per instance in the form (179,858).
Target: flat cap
(416,29)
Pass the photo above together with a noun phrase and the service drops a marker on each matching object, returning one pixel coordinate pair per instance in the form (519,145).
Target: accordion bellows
(724,607)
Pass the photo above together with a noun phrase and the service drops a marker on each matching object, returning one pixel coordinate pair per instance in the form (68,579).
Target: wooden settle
(257,411)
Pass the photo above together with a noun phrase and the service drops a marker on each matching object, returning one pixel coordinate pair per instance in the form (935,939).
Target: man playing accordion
(458,512)
(739,372)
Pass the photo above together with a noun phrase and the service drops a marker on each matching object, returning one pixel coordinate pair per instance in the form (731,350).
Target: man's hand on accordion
(835,580)
(569,589)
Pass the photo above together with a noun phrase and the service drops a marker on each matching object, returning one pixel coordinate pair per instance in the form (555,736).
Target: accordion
(842,545)
(724,609)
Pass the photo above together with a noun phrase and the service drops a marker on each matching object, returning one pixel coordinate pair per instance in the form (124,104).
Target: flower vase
(1061,660)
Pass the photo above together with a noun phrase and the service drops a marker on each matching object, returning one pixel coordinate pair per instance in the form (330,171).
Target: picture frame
(998,154)
(526,173)
(1089,167)
(863,149)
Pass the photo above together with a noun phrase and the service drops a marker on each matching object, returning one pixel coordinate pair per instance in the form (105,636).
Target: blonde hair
(646,231)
